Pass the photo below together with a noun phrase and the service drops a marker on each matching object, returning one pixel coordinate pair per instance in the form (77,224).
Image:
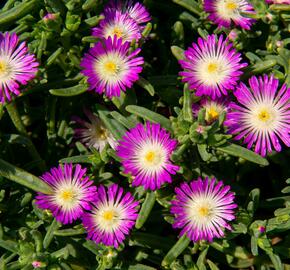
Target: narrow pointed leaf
(126,122)
(69,91)
(22,177)
(17,12)
(81,159)
(146,85)
(69,232)
(139,266)
(276,261)
(177,52)
(201,260)
(176,250)
(212,265)
(112,125)
(187,104)
(9,245)
(149,115)
(50,233)
(239,151)
(191,5)
(145,209)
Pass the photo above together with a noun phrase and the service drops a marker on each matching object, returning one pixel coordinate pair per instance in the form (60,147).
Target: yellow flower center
(264,116)
(111,67)
(3,67)
(204,211)
(231,6)
(118,32)
(212,114)
(67,195)
(150,156)
(212,67)
(109,215)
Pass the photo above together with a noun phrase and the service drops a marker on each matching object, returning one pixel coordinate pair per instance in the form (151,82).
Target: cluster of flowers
(212,67)
(202,208)
(109,65)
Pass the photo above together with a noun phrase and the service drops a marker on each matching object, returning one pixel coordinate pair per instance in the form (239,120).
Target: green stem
(16,119)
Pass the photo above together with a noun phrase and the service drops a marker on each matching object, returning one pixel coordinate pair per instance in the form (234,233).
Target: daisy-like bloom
(94,133)
(112,217)
(117,24)
(72,193)
(136,11)
(262,115)
(213,108)
(211,66)
(224,12)
(110,68)
(145,153)
(202,209)
(17,66)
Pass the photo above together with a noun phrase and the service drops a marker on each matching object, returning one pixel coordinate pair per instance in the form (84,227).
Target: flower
(17,66)
(72,193)
(262,114)
(223,12)
(233,35)
(112,217)
(278,2)
(49,16)
(145,154)
(212,66)
(37,264)
(117,24)
(93,133)
(261,229)
(213,108)
(136,11)
(110,67)
(202,208)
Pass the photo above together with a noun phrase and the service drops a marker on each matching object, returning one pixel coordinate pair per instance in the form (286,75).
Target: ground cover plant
(144,135)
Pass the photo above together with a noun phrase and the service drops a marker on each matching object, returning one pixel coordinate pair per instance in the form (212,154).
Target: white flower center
(213,69)
(202,211)
(68,196)
(151,157)
(120,30)
(108,217)
(228,9)
(5,70)
(111,67)
(263,116)
(95,133)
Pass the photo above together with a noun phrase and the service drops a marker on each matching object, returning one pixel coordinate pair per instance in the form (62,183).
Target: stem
(16,119)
